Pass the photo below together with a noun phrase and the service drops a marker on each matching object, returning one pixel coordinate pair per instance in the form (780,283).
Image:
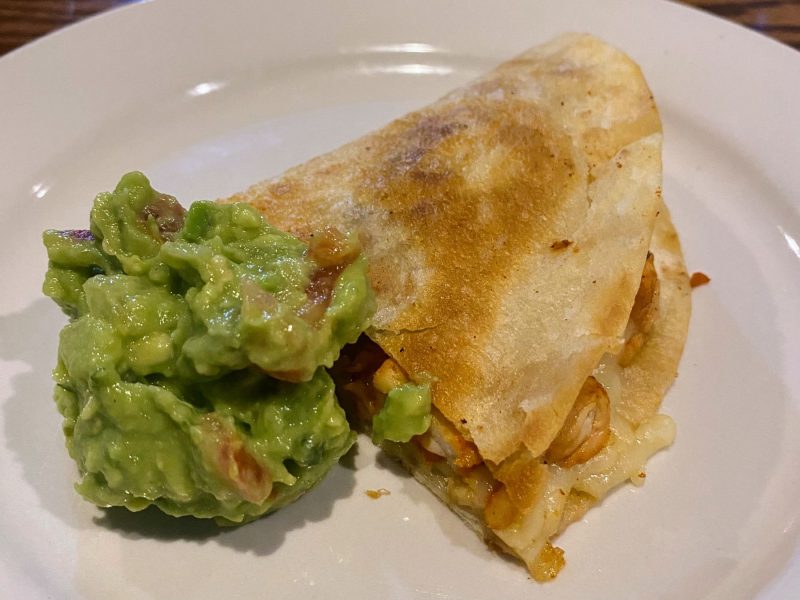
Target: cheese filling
(568,492)
(596,450)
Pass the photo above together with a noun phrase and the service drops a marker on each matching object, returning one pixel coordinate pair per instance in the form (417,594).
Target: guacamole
(406,412)
(193,372)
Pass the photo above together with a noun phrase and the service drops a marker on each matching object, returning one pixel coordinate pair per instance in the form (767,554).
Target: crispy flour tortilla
(507,227)
(646,379)
(463,207)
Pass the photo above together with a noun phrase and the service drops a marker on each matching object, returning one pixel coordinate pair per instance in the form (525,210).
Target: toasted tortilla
(506,226)
(650,374)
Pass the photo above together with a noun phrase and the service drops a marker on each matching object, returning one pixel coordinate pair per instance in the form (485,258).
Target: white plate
(207,97)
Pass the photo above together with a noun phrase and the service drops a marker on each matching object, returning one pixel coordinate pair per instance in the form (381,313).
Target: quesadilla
(525,268)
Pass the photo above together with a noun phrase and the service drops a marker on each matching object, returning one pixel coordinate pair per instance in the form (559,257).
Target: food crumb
(375,494)
(697,279)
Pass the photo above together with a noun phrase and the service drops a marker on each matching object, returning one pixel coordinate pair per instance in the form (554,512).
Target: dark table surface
(24,20)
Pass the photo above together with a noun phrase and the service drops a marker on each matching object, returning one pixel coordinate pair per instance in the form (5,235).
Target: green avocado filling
(192,375)
(406,412)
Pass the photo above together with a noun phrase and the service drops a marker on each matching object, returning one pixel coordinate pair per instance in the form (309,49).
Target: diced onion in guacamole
(192,375)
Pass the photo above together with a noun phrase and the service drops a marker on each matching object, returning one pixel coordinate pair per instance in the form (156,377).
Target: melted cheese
(622,459)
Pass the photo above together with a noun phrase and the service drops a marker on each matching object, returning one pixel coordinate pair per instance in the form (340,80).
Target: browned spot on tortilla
(525,184)
(423,209)
(428,176)
(281,188)
(561,244)
(426,135)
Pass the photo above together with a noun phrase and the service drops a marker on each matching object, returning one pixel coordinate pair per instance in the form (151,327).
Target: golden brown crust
(458,205)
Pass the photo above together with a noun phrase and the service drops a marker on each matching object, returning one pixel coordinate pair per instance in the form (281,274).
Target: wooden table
(24,20)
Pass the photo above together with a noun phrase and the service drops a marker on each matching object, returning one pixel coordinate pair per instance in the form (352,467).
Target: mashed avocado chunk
(406,412)
(192,374)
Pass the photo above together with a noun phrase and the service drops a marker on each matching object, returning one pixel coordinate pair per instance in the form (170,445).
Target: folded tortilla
(526,266)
